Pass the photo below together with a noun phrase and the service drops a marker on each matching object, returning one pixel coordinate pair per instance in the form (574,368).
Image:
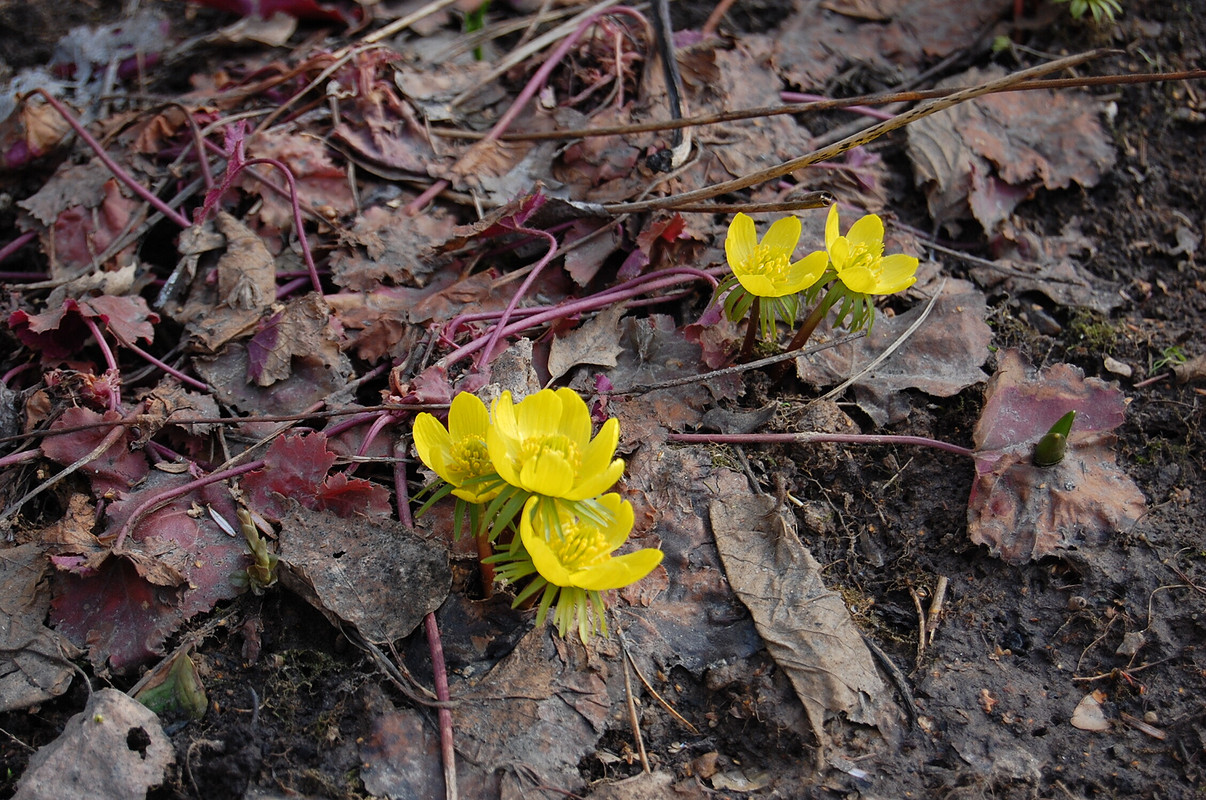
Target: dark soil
(1019,646)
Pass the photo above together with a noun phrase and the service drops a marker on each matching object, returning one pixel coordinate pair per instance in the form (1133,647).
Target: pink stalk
(523,287)
(163,365)
(18,458)
(575,307)
(155,501)
(119,173)
(808,438)
(16,244)
(115,393)
(383,419)
(297,217)
(867,111)
(15,371)
(529,91)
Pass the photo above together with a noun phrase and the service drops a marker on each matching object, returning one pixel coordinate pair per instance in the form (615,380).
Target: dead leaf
(34,660)
(114,749)
(806,627)
(375,575)
(595,342)
(1089,714)
(941,358)
(983,158)
(246,271)
(1023,512)
(401,758)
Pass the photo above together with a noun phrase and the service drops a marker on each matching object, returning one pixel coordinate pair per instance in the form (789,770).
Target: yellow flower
(569,561)
(573,552)
(765,268)
(542,445)
(459,454)
(858,257)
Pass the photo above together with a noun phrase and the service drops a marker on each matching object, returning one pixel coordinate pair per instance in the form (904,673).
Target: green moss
(1093,331)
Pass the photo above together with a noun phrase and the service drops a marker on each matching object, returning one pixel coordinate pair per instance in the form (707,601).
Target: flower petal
(538,414)
(759,285)
(839,252)
(599,453)
(592,485)
(897,272)
(467,417)
(806,272)
(783,236)
(868,230)
(618,571)
(859,280)
(543,557)
(433,445)
(740,243)
(547,473)
(575,417)
(831,227)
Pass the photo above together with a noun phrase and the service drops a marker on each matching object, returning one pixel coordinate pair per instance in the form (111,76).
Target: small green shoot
(1051,448)
(1169,357)
(1101,9)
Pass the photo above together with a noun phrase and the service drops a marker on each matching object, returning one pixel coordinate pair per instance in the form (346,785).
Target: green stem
(814,318)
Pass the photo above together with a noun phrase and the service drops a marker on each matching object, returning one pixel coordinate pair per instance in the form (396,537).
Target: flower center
(771,262)
(534,446)
(866,255)
(580,545)
(471,456)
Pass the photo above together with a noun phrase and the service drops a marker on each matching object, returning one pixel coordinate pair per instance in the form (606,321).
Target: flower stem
(751,331)
(814,318)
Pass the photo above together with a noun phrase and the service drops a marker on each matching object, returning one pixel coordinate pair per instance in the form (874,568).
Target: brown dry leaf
(1051,264)
(806,627)
(401,758)
(34,660)
(399,249)
(1192,370)
(1089,714)
(1023,512)
(72,536)
(595,342)
(114,749)
(535,715)
(375,575)
(982,158)
(320,183)
(246,272)
(941,358)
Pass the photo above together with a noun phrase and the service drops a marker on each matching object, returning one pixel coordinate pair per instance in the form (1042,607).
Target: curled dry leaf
(807,628)
(1023,512)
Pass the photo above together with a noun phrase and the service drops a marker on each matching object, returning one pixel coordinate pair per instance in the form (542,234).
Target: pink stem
(297,216)
(157,500)
(523,287)
(115,393)
(17,458)
(867,111)
(16,244)
(119,173)
(383,419)
(163,365)
(570,309)
(529,91)
(440,669)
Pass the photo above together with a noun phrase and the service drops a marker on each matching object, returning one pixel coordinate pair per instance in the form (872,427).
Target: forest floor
(879,620)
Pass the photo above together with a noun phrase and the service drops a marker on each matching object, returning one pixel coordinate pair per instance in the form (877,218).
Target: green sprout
(1169,356)
(1099,8)
(1051,448)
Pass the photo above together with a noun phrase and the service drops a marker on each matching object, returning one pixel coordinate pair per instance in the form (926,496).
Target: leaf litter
(733,611)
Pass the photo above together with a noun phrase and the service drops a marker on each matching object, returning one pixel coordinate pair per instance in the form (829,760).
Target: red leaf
(60,332)
(127,315)
(350,497)
(118,468)
(262,344)
(295,466)
(126,610)
(116,614)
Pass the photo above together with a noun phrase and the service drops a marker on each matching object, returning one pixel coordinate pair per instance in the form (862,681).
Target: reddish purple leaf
(262,344)
(116,614)
(350,497)
(118,468)
(295,466)
(175,565)
(58,333)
